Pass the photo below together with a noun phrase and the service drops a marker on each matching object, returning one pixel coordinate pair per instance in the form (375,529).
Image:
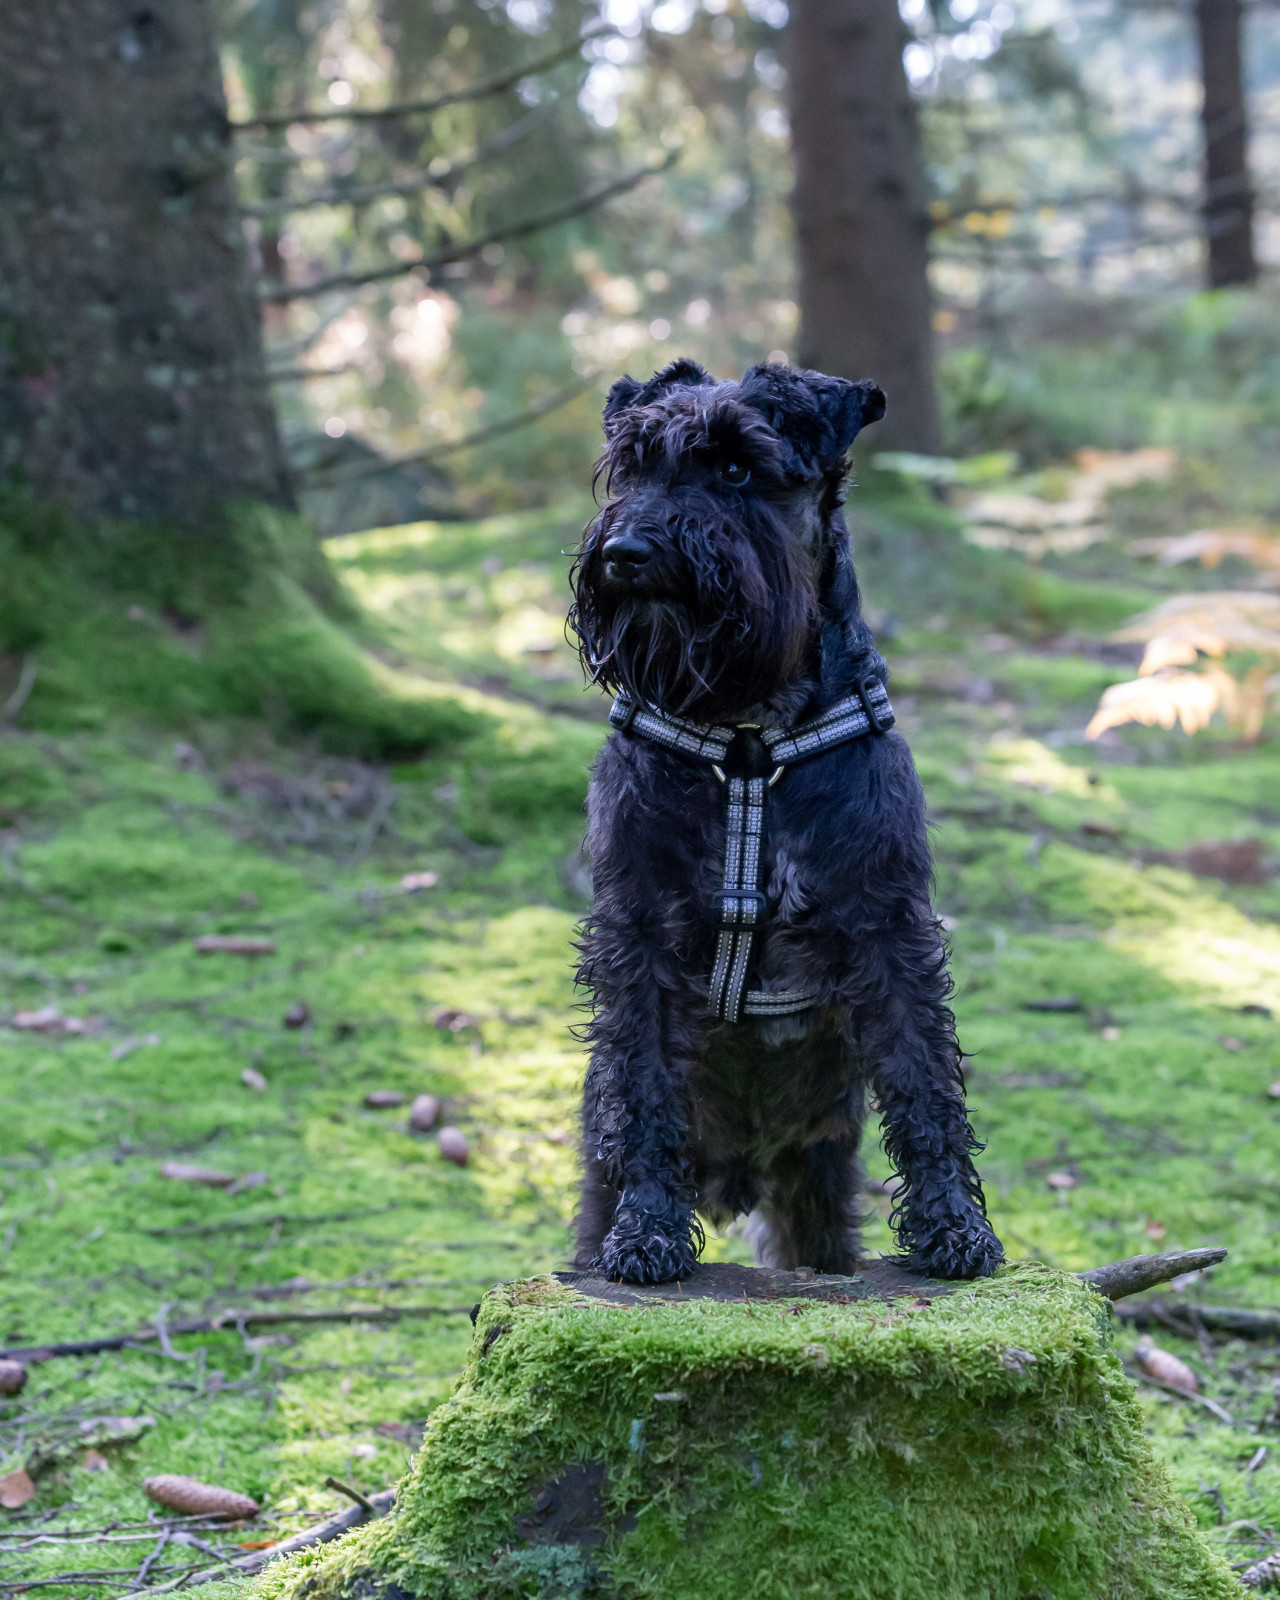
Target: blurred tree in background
(861,212)
(131,371)
(454,248)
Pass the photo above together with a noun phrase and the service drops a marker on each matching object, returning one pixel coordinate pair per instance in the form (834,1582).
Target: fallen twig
(26,682)
(149,1561)
(1222,1414)
(322,1533)
(352,1494)
(283,1219)
(1242,1321)
(229,1320)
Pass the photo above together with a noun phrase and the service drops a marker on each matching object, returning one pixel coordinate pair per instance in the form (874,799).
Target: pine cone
(194,1498)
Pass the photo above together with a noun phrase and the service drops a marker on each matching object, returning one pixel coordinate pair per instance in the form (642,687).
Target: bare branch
(278,205)
(416,108)
(471,247)
(322,1533)
(223,1322)
(539,408)
(1120,1278)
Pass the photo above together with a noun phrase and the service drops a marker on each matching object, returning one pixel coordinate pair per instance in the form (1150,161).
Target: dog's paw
(657,1253)
(972,1251)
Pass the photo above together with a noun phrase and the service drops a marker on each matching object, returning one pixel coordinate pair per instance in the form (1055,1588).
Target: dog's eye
(735,474)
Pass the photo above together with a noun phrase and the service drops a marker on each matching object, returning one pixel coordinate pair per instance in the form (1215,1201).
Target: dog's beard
(663,655)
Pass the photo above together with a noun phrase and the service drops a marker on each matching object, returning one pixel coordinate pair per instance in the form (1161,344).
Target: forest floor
(1134,1116)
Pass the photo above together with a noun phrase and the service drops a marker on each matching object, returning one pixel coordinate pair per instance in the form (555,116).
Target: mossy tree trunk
(131,366)
(860,213)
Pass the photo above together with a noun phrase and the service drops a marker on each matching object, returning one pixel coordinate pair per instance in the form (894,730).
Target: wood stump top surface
(879,1279)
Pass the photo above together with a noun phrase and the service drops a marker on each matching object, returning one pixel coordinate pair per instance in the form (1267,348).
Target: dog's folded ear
(629,392)
(819,417)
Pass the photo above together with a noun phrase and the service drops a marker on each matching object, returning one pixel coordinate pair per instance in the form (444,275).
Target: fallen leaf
(366,1452)
(249,1180)
(1155,1230)
(413,881)
(233,944)
(1167,1368)
(383,1099)
(253,1079)
(115,1430)
(13,1377)
(16,1488)
(450,1020)
(256,1544)
(1230,861)
(298,1015)
(1109,1034)
(49,1019)
(95,1461)
(424,1113)
(405,1432)
(1060,1180)
(184,1172)
(453,1146)
(191,1496)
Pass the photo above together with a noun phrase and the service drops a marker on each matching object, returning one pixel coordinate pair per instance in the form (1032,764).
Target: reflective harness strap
(740,903)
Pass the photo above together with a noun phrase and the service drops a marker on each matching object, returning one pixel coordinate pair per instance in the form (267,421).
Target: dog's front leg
(638,1223)
(940,1214)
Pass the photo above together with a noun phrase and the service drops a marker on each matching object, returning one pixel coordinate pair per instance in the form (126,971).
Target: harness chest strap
(741,904)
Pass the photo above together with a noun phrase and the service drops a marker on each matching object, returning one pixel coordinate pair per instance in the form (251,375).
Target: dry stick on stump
(1136,1273)
(1113,1281)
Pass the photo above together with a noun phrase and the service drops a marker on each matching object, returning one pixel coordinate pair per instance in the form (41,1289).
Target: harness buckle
(881,721)
(732,906)
(623,713)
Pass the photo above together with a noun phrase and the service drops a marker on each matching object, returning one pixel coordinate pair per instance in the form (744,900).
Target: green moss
(243,619)
(987,1444)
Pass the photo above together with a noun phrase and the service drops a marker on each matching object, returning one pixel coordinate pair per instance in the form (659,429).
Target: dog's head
(697,587)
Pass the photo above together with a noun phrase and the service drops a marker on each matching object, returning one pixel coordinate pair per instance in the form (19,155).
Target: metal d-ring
(776,774)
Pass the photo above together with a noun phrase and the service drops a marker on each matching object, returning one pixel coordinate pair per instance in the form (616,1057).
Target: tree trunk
(860,214)
(131,369)
(1228,197)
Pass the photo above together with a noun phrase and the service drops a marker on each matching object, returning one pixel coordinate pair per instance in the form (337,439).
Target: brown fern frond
(1168,698)
(1208,546)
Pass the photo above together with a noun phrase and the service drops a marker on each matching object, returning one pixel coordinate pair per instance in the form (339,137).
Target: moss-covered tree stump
(776,1435)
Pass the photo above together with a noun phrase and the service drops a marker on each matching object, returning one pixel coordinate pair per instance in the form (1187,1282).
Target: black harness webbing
(741,904)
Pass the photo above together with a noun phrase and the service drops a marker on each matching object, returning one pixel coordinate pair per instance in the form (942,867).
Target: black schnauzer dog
(762,950)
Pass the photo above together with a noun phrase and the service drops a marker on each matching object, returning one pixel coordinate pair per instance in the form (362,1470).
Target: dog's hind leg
(810,1214)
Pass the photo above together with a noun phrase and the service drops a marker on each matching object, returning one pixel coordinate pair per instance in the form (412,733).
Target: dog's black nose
(624,555)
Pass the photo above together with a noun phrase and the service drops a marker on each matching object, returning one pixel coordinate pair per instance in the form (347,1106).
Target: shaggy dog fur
(717,585)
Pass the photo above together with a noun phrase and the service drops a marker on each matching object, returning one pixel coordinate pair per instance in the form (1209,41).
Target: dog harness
(741,905)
